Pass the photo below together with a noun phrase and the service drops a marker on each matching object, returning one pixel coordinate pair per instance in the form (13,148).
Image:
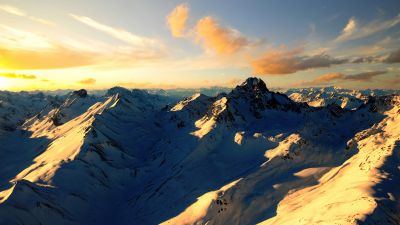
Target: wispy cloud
(12,10)
(282,61)
(117,33)
(327,79)
(348,30)
(137,49)
(177,20)
(24,50)
(88,81)
(18,76)
(20,39)
(18,12)
(354,30)
(42,21)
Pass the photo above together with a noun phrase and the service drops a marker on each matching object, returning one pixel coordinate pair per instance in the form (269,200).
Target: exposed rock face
(252,84)
(81,93)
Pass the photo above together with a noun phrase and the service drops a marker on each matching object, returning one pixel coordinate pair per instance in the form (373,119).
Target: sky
(97,44)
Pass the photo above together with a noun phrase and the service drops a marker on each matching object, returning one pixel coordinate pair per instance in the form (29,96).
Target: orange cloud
(177,20)
(327,78)
(18,76)
(281,61)
(207,31)
(223,41)
(88,81)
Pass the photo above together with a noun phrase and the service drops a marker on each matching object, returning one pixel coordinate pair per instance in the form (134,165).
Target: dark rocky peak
(80,93)
(253,95)
(254,89)
(252,85)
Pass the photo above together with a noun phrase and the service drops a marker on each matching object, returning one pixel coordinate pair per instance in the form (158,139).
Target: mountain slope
(250,156)
(15,108)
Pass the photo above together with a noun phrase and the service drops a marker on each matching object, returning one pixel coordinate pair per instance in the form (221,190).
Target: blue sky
(99,44)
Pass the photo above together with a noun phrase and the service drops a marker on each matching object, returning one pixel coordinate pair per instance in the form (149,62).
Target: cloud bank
(327,79)
(281,62)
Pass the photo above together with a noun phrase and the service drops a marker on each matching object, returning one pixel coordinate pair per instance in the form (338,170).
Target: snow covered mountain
(345,98)
(250,156)
(15,108)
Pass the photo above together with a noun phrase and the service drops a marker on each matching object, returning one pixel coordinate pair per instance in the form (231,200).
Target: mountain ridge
(245,157)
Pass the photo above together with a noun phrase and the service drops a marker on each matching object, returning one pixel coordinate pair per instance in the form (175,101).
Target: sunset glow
(192,44)
(4,83)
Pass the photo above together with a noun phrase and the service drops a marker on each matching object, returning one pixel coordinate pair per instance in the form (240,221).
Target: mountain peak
(80,93)
(254,84)
(118,90)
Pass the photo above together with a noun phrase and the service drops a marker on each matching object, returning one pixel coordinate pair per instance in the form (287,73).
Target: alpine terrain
(249,156)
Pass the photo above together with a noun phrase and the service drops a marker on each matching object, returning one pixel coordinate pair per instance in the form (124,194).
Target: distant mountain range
(345,98)
(243,156)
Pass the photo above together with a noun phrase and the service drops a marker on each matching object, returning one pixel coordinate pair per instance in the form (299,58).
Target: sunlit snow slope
(250,156)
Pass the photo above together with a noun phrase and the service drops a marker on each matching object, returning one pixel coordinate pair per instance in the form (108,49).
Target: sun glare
(4,83)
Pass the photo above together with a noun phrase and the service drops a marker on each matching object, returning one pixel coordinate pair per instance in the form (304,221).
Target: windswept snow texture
(248,156)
